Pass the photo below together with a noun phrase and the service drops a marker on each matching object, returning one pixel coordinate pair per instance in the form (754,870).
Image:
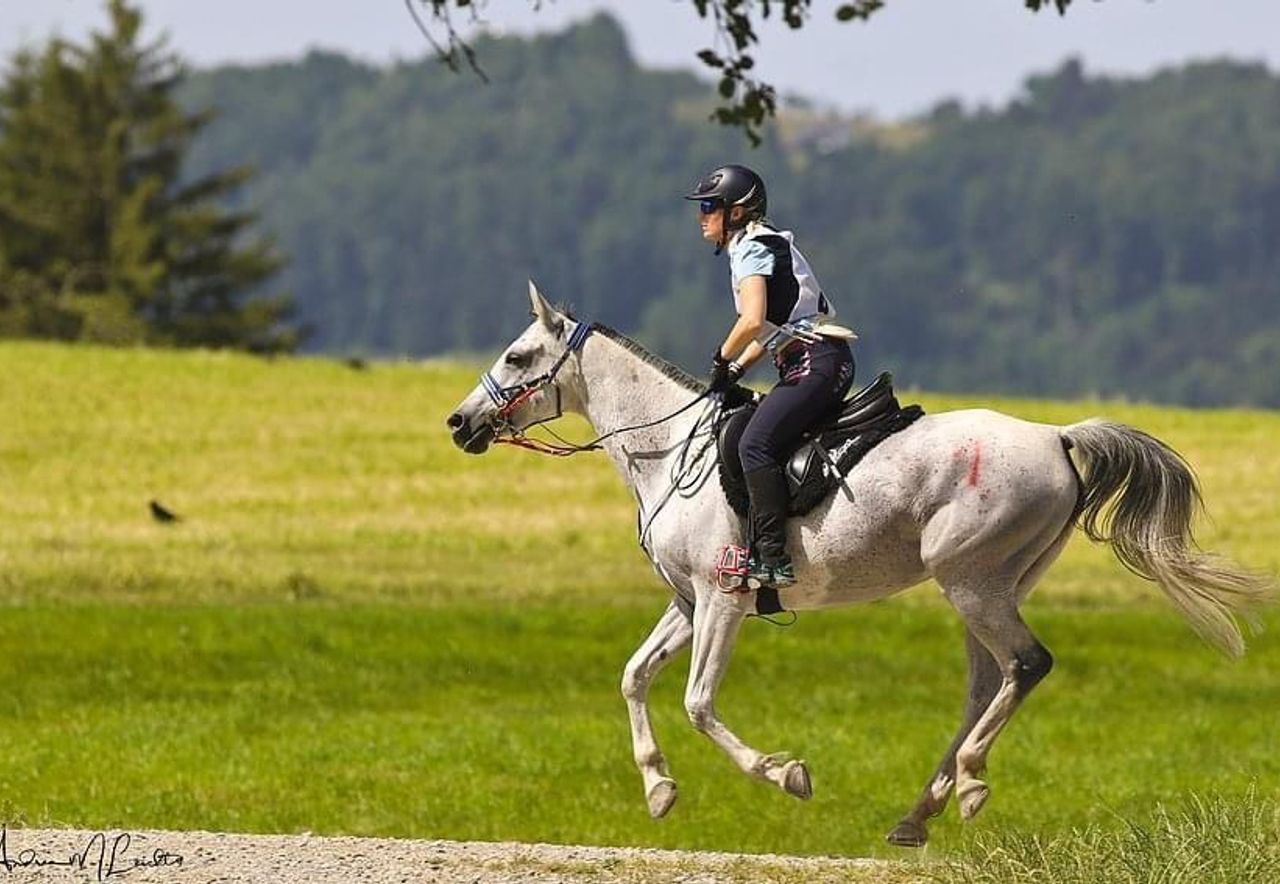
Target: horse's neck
(621,389)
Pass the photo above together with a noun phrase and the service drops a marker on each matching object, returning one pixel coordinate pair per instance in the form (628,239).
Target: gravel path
(51,856)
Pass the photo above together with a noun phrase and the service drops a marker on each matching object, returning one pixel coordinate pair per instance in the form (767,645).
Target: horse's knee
(701,713)
(634,684)
(1030,666)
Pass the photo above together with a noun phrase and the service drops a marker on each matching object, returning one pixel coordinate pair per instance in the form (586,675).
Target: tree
(1096,235)
(747,101)
(100,237)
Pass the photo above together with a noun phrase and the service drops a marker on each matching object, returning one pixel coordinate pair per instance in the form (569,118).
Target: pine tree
(101,238)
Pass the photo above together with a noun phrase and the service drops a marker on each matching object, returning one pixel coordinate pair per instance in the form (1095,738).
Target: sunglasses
(706,207)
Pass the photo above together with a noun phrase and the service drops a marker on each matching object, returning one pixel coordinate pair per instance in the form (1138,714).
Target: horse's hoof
(908,833)
(661,797)
(974,794)
(795,780)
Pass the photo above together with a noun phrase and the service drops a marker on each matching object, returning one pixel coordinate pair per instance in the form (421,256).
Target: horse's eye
(517,360)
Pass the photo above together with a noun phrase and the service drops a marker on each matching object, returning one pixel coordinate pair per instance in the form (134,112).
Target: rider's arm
(741,344)
(751,355)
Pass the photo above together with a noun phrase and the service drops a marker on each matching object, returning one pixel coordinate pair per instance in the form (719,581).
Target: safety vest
(794,302)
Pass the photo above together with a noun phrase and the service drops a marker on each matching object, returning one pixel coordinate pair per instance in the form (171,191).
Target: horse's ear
(543,310)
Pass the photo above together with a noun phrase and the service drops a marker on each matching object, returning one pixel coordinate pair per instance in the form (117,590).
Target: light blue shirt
(749,257)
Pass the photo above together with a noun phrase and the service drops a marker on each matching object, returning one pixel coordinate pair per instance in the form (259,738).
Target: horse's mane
(675,372)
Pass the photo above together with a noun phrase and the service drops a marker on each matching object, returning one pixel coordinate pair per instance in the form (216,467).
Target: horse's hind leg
(670,635)
(984,682)
(992,616)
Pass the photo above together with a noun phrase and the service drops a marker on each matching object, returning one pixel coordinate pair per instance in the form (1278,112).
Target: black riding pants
(813,380)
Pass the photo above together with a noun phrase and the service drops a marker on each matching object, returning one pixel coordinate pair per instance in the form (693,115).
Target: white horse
(981,502)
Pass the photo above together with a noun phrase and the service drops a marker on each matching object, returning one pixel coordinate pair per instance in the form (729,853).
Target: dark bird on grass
(163,514)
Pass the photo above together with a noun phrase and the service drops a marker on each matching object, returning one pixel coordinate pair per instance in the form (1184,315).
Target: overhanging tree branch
(747,102)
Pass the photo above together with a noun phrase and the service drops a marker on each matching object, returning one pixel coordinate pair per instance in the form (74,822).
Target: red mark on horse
(975,468)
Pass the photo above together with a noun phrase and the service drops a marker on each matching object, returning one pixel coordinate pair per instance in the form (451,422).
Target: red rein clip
(505,412)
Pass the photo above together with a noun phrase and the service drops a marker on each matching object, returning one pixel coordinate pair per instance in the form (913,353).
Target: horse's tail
(1149,527)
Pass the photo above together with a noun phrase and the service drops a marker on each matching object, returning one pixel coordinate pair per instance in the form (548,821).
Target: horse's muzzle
(472,440)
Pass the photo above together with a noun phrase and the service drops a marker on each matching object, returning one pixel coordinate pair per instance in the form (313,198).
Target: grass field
(358,629)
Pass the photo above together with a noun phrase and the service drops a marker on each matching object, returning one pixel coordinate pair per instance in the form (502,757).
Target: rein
(688,473)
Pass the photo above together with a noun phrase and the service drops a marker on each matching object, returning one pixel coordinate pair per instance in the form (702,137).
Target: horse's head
(531,382)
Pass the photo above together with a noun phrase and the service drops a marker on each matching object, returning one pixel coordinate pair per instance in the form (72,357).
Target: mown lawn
(357,629)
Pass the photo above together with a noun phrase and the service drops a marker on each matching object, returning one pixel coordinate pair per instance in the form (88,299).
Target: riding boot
(770,505)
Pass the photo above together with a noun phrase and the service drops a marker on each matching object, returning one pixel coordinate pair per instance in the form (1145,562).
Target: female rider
(782,311)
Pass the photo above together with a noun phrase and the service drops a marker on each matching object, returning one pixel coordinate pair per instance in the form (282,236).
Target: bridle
(510,398)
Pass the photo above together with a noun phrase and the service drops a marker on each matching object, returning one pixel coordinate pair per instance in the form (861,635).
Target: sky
(912,54)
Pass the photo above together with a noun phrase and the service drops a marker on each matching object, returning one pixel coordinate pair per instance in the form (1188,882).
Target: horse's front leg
(670,635)
(716,622)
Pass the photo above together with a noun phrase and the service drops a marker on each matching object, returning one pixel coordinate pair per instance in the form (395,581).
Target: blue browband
(505,395)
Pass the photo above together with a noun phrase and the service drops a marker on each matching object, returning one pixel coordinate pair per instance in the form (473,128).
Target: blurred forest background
(1106,236)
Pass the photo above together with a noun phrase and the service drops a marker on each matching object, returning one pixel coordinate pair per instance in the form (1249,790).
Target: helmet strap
(724,229)
(727,232)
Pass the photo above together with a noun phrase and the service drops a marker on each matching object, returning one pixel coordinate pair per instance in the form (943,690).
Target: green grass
(1204,841)
(358,629)
(389,720)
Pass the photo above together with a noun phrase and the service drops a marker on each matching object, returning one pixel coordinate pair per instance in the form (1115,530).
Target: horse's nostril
(455,421)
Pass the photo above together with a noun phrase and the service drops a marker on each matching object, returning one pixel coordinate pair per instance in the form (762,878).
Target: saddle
(827,452)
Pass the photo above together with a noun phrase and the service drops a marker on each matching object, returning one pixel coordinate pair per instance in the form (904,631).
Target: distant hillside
(1096,236)
(415,203)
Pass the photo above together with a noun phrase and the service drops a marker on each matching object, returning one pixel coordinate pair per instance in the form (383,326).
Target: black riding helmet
(730,186)
(734,186)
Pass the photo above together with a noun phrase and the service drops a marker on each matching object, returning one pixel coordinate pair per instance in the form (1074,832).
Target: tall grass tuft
(1220,840)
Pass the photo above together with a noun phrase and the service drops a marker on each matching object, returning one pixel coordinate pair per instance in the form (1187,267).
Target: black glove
(736,396)
(723,373)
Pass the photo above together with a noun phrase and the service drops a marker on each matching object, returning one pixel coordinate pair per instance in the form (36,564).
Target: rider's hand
(723,373)
(736,396)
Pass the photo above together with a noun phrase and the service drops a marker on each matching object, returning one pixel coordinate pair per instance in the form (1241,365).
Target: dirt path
(52,856)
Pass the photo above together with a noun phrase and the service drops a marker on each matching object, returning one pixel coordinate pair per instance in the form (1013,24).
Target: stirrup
(731,569)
